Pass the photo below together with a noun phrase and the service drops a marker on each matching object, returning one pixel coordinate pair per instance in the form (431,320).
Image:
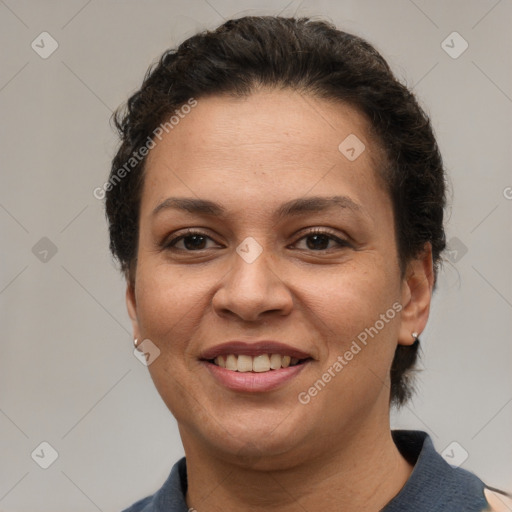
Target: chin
(260,453)
(258,440)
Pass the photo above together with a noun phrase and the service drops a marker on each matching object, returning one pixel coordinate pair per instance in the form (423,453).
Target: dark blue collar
(434,485)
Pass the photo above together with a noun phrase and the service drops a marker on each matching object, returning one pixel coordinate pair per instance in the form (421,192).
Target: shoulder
(143,505)
(170,497)
(436,485)
(498,501)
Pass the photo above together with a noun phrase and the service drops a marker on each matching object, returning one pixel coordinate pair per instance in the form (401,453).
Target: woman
(276,206)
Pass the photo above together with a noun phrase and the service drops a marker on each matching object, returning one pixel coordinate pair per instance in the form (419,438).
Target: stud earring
(414,335)
(135,342)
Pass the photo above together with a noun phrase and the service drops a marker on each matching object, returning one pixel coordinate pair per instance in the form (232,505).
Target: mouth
(257,356)
(257,364)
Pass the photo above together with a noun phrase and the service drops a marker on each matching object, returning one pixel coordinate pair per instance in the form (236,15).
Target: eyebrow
(294,207)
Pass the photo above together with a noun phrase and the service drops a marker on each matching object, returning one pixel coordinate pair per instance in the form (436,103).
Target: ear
(417,289)
(131,306)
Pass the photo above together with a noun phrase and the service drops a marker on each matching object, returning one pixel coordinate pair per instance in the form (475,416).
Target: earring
(415,335)
(135,342)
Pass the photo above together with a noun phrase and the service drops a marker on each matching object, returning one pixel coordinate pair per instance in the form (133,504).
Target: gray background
(67,372)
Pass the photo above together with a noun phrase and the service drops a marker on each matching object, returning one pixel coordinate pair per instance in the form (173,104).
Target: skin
(498,502)
(268,451)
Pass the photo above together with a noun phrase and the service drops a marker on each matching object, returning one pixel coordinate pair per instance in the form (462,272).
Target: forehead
(280,143)
(295,121)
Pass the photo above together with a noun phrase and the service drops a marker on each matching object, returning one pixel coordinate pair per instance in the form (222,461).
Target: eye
(190,241)
(320,240)
(193,240)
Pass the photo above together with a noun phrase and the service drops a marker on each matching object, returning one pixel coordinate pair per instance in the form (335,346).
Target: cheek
(359,327)
(355,310)
(169,304)
(351,297)
(170,307)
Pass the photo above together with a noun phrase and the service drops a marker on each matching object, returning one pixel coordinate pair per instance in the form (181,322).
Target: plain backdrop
(68,376)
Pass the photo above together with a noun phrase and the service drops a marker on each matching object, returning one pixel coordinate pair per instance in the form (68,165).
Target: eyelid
(319,231)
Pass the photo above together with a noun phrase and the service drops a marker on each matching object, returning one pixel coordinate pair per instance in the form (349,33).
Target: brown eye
(190,241)
(319,240)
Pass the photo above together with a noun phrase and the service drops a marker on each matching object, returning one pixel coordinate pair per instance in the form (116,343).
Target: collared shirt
(433,486)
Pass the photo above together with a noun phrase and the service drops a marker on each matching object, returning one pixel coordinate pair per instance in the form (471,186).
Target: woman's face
(263,262)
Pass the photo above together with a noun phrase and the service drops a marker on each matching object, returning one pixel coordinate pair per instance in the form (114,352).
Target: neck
(365,474)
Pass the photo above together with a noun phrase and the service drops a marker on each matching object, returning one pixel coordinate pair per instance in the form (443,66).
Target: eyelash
(170,244)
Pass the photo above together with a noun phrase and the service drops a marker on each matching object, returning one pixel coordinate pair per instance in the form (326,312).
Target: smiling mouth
(257,364)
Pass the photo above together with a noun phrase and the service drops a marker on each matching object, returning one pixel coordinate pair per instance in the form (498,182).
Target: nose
(253,290)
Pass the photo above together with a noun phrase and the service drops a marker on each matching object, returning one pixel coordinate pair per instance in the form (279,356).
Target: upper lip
(253,348)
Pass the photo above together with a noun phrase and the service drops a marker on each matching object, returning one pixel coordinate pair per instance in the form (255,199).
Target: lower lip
(254,382)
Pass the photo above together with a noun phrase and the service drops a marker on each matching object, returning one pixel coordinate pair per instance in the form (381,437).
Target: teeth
(244,364)
(259,364)
(275,361)
(231,362)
